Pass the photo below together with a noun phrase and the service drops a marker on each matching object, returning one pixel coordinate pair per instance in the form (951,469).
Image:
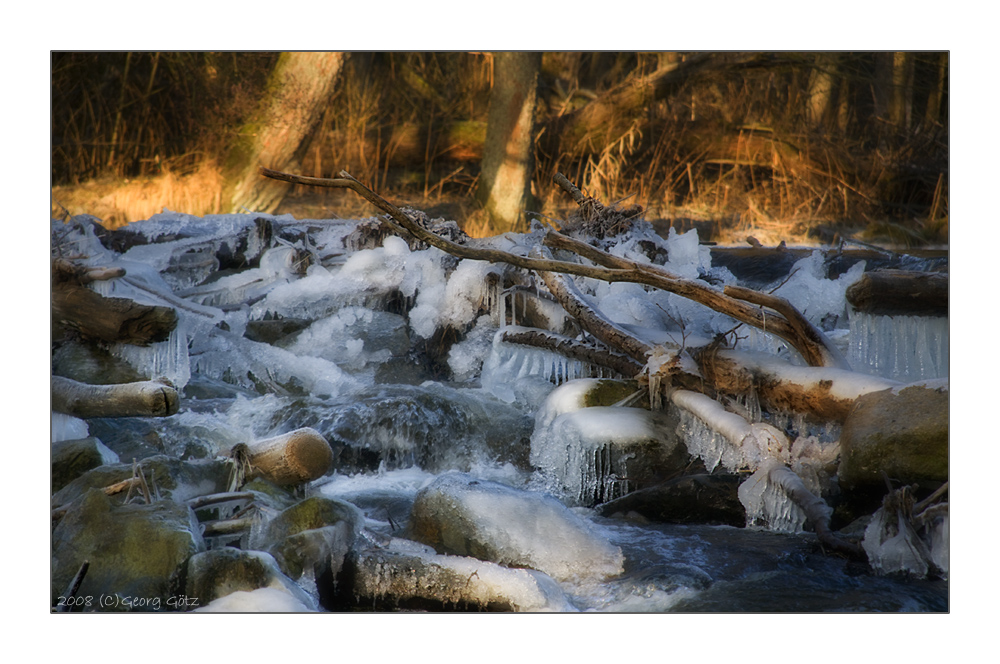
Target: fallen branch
(573,349)
(812,345)
(150,398)
(827,393)
(900,293)
(816,510)
(615,269)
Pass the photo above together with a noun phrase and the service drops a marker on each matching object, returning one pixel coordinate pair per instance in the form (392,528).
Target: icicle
(906,348)
(167,359)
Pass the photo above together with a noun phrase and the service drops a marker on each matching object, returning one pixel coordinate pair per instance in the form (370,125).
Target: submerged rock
(133,550)
(708,499)
(406,576)
(462,515)
(902,432)
(313,535)
(214,574)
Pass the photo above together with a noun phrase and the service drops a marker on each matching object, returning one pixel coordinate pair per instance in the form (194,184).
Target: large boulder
(902,432)
(462,515)
(133,551)
(405,575)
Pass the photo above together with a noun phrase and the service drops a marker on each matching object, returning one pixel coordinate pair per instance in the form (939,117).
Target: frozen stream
(318,329)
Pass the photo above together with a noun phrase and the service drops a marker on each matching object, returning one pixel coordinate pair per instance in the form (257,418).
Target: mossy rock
(608,392)
(311,513)
(901,432)
(73,458)
(321,550)
(133,550)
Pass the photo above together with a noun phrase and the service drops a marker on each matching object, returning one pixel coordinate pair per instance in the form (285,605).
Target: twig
(214,498)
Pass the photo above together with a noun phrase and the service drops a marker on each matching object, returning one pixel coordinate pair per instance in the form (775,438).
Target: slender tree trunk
(508,155)
(296,93)
(822,85)
(933,113)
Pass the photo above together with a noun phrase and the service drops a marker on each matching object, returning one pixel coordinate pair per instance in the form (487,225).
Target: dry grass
(118,202)
(737,151)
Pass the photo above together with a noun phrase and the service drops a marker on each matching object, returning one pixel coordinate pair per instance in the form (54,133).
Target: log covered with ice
(151,398)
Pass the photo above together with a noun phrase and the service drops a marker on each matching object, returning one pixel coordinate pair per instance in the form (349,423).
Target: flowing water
(362,369)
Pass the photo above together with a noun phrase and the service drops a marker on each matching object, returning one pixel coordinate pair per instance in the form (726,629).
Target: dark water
(725,569)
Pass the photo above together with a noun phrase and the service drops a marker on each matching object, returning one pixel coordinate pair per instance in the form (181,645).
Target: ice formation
(904,348)
(515,373)
(67,427)
(261,600)
(720,437)
(515,528)
(588,451)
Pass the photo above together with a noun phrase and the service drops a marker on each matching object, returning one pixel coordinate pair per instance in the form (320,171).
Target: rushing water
(396,422)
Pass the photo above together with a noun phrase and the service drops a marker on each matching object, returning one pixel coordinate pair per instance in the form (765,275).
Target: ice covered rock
(462,515)
(212,575)
(599,453)
(262,600)
(902,432)
(402,576)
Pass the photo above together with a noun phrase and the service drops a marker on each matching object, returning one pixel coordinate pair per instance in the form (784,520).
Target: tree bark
(900,293)
(296,457)
(296,93)
(142,399)
(508,154)
(821,88)
(108,319)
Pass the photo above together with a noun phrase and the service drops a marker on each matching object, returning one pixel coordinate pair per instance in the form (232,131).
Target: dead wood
(590,319)
(826,393)
(615,270)
(811,344)
(141,399)
(900,293)
(296,457)
(108,319)
(816,510)
(574,349)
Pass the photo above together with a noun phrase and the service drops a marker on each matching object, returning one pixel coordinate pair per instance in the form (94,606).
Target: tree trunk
(108,319)
(296,457)
(933,113)
(900,293)
(821,88)
(296,93)
(508,155)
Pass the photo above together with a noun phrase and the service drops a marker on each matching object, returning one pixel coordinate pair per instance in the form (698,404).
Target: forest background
(805,147)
